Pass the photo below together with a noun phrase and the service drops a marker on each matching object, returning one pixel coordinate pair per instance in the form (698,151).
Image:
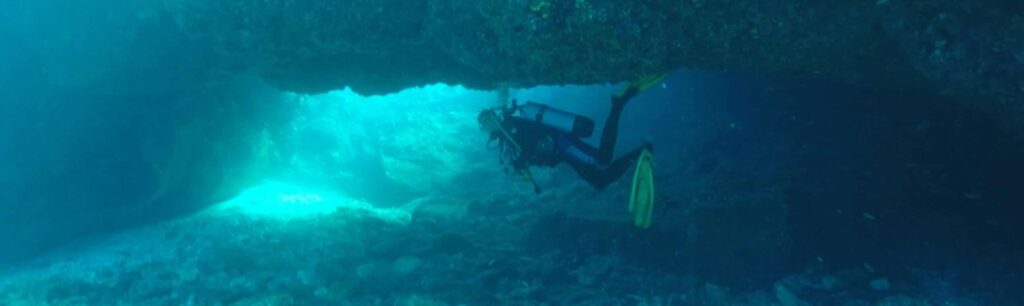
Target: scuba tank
(561,120)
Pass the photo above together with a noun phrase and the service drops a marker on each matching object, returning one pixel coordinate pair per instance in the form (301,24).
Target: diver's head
(489,120)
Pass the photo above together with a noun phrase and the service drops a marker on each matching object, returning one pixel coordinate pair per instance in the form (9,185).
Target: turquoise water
(146,165)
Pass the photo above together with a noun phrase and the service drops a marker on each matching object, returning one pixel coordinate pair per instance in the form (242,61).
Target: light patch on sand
(282,200)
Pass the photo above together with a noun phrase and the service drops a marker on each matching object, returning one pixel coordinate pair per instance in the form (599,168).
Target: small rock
(788,298)
(368,270)
(407,264)
(880,284)
(593,269)
(856,302)
(267,300)
(322,293)
(796,283)
(972,196)
(829,282)
(869,268)
(188,275)
(902,300)
(714,292)
(306,277)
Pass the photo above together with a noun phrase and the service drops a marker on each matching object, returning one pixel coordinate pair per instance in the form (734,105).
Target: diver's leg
(586,148)
(614,171)
(601,178)
(590,173)
(611,127)
(610,132)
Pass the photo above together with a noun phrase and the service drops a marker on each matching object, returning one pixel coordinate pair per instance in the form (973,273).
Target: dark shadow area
(899,180)
(763,178)
(905,181)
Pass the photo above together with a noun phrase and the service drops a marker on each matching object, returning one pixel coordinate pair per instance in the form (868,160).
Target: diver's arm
(521,167)
(520,164)
(529,175)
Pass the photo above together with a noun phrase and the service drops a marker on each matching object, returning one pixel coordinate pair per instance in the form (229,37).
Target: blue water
(132,176)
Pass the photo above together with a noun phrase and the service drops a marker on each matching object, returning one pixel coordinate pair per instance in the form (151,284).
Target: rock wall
(971,49)
(108,122)
(153,73)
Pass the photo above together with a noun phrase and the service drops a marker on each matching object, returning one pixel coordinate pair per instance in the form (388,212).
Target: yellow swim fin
(647,82)
(642,84)
(641,198)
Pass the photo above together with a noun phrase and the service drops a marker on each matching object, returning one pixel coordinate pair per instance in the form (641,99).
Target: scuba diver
(534,134)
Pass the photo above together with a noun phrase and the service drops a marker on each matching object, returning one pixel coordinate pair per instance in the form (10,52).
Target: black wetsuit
(545,146)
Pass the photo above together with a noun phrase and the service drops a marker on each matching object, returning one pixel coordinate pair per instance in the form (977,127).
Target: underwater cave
(218,152)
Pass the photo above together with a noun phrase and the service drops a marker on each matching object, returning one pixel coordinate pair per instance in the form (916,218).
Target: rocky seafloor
(195,85)
(472,249)
(819,212)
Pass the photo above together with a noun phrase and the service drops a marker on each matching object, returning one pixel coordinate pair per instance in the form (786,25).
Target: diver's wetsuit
(546,146)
